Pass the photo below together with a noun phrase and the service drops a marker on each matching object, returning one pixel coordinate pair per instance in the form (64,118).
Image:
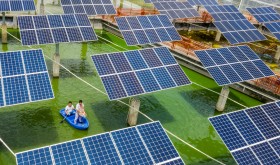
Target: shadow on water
(33,123)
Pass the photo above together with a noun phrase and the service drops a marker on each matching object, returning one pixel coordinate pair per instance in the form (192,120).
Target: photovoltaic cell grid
(152,1)
(252,135)
(24,77)
(264,14)
(38,30)
(233,25)
(17,5)
(176,9)
(140,30)
(274,28)
(89,7)
(137,72)
(143,144)
(203,2)
(233,64)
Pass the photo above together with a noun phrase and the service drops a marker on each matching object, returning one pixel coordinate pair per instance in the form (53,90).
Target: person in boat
(69,108)
(80,112)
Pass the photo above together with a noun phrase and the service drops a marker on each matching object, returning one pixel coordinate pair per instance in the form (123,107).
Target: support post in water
(277,55)
(42,8)
(133,111)
(220,106)
(56,58)
(218,36)
(15,22)
(260,28)
(4,29)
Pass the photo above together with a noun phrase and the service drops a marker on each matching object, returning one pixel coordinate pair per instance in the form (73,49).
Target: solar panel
(137,72)
(24,77)
(140,30)
(176,9)
(233,25)
(274,28)
(17,5)
(264,14)
(203,2)
(251,135)
(152,1)
(37,30)
(233,64)
(88,7)
(142,144)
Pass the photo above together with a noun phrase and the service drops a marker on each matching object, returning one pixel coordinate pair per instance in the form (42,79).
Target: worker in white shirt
(69,109)
(80,112)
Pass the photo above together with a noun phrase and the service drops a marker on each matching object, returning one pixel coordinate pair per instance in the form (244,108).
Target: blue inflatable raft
(70,119)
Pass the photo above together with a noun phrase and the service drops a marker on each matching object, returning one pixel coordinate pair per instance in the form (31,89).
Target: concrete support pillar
(42,8)
(260,28)
(4,29)
(218,36)
(190,28)
(220,106)
(56,58)
(277,55)
(15,22)
(133,112)
(198,7)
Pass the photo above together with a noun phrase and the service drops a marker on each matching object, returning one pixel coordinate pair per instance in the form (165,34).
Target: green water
(184,110)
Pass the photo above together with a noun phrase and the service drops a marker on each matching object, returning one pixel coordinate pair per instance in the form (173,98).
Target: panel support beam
(218,36)
(4,29)
(220,106)
(133,111)
(42,8)
(277,55)
(56,58)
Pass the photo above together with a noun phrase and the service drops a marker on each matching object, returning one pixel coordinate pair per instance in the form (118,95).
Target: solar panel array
(140,30)
(37,30)
(233,64)
(176,9)
(274,28)
(89,7)
(136,72)
(252,135)
(24,77)
(17,5)
(264,14)
(152,1)
(203,2)
(140,145)
(233,25)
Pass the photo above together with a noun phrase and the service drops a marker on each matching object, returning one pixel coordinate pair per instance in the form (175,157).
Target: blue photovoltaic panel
(157,142)
(264,14)
(139,30)
(25,77)
(17,5)
(140,71)
(129,141)
(139,145)
(88,7)
(69,153)
(41,156)
(101,150)
(152,1)
(203,2)
(274,28)
(257,126)
(36,30)
(233,64)
(180,9)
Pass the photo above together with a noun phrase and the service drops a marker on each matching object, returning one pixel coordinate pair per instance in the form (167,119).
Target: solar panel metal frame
(51,29)
(252,10)
(93,5)
(134,71)
(115,147)
(22,5)
(132,30)
(231,63)
(248,146)
(25,74)
(165,11)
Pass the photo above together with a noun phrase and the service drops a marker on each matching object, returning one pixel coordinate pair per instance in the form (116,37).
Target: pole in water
(220,106)
(56,58)
(133,111)
(4,29)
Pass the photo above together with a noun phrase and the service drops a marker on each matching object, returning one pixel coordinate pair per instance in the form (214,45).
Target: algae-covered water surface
(184,111)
